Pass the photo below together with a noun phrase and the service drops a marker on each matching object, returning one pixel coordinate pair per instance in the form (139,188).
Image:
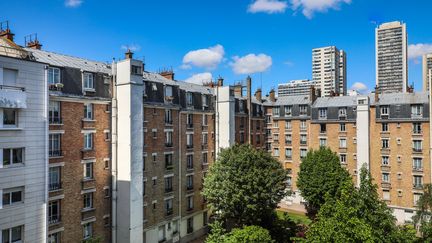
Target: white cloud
(268,6)
(416,51)
(309,7)
(206,58)
(199,78)
(132,47)
(361,87)
(251,63)
(73,3)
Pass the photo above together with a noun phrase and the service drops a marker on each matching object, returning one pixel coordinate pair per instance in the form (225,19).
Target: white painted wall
(363,134)
(225,120)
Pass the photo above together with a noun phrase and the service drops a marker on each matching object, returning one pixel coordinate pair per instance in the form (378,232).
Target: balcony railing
(55,120)
(169,166)
(204,146)
(189,146)
(169,211)
(418,168)
(54,186)
(54,219)
(55,153)
(12,97)
(418,186)
(168,145)
(417,150)
(189,125)
(168,189)
(189,187)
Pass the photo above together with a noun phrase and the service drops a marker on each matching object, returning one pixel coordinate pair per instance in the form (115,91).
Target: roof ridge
(65,55)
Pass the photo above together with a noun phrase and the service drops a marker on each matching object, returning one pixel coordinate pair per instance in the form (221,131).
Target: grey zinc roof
(289,100)
(61,60)
(155,77)
(336,101)
(403,98)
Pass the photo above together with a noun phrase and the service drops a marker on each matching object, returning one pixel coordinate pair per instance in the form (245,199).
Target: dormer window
(303,110)
(322,113)
(342,112)
(53,75)
(416,111)
(204,100)
(241,106)
(189,99)
(288,110)
(275,111)
(384,110)
(168,93)
(88,81)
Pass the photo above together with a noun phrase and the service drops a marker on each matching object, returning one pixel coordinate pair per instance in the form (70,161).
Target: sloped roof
(61,60)
(402,98)
(289,100)
(336,101)
(155,77)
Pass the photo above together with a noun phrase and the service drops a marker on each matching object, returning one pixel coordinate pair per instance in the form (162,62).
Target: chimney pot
(258,95)
(129,54)
(272,96)
(167,74)
(220,81)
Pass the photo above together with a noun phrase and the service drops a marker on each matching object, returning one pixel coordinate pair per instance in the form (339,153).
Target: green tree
(320,174)
(217,233)
(338,219)
(423,217)
(244,186)
(249,234)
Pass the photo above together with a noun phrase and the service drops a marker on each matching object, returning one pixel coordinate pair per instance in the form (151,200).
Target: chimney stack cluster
(272,95)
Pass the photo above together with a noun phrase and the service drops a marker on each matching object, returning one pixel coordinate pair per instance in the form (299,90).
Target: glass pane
(16,196)
(9,117)
(6,198)
(5,236)
(17,156)
(6,157)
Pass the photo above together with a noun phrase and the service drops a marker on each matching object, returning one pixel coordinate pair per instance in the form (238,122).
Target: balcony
(385,185)
(418,186)
(55,153)
(168,145)
(189,146)
(54,186)
(417,150)
(189,187)
(417,169)
(168,189)
(169,212)
(54,219)
(204,146)
(55,87)
(12,97)
(169,166)
(189,126)
(55,121)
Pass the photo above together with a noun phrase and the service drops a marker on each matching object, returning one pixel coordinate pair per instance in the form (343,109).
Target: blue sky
(269,39)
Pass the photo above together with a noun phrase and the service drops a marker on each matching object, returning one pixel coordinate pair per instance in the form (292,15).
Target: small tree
(244,186)
(250,234)
(423,217)
(320,174)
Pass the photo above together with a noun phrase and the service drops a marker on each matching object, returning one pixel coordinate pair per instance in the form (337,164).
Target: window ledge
(56,124)
(56,157)
(87,210)
(88,120)
(11,129)
(89,90)
(13,166)
(88,179)
(87,149)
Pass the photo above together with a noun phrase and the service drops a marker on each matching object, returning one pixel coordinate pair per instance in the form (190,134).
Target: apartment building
(23,144)
(329,70)
(295,87)
(427,71)
(79,143)
(391,57)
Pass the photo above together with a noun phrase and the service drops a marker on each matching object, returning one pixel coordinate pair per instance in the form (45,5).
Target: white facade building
(391,57)
(23,146)
(295,87)
(329,70)
(427,70)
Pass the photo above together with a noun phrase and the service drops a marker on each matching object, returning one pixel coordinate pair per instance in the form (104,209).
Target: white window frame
(87,230)
(3,151)
(88,201)
(342,142)
(10,232)
(88,111)
(52,73)
(2,117)
(88,170)
(88,141)
(88,81)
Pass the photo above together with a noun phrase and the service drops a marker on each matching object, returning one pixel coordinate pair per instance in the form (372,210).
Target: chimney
(272,96)
(410,88)
(377,92)
(167,74)
(249,106)
(238,89)
(5,31)
(312,94)
(129,54)
(258,95)
(31,41)
(220,81)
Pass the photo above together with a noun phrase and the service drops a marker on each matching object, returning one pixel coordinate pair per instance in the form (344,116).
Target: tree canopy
(423,217)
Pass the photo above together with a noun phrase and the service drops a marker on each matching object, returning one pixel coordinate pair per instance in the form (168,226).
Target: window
(303,153)
(417,164)
(323,142)
(189,161)
(386,177)
(416,110)
(384,127)
(169,139)
(204,138)
(154,133)
(342,127)
(342,143)
(303,110)
(204,120)
(205,218)
(323,128)
(189,140)
(53,75)
(275,111)
(168,161)
(204,158)
(275,124)
(168,206)
(276,152)
(386,195)
(288,153)
(288,139)
(417,197)
(54,145)
(88,200)
(88,170)
(241,106)
(322,112)
(87,230)
(136,70)
(303,125)
(12,195)
(418,181)
(276,137)
(342,158)
(88,81)
(189,99)
(204,100)
(417,145)
(88,111)
(154,157)
(384,110)
(168,184)
(54,112)
(288,110)
(88,141)
(417,128)
(168,116)
(13,156)
(189,225)
(342,112)
(384,143)
(106,192)
(54,178)
(303,139)
(54,238)
(288,125)
(13,235)
(189,203)
(189,120)
(189,182)
(54,212)
(385,160)
(10,118)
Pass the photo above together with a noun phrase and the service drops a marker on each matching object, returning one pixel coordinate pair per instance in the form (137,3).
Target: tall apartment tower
(328,70)
(427,71)
(295,87)
(391,57)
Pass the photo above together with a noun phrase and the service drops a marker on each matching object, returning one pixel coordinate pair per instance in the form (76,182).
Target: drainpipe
(114,155)
(46,157)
